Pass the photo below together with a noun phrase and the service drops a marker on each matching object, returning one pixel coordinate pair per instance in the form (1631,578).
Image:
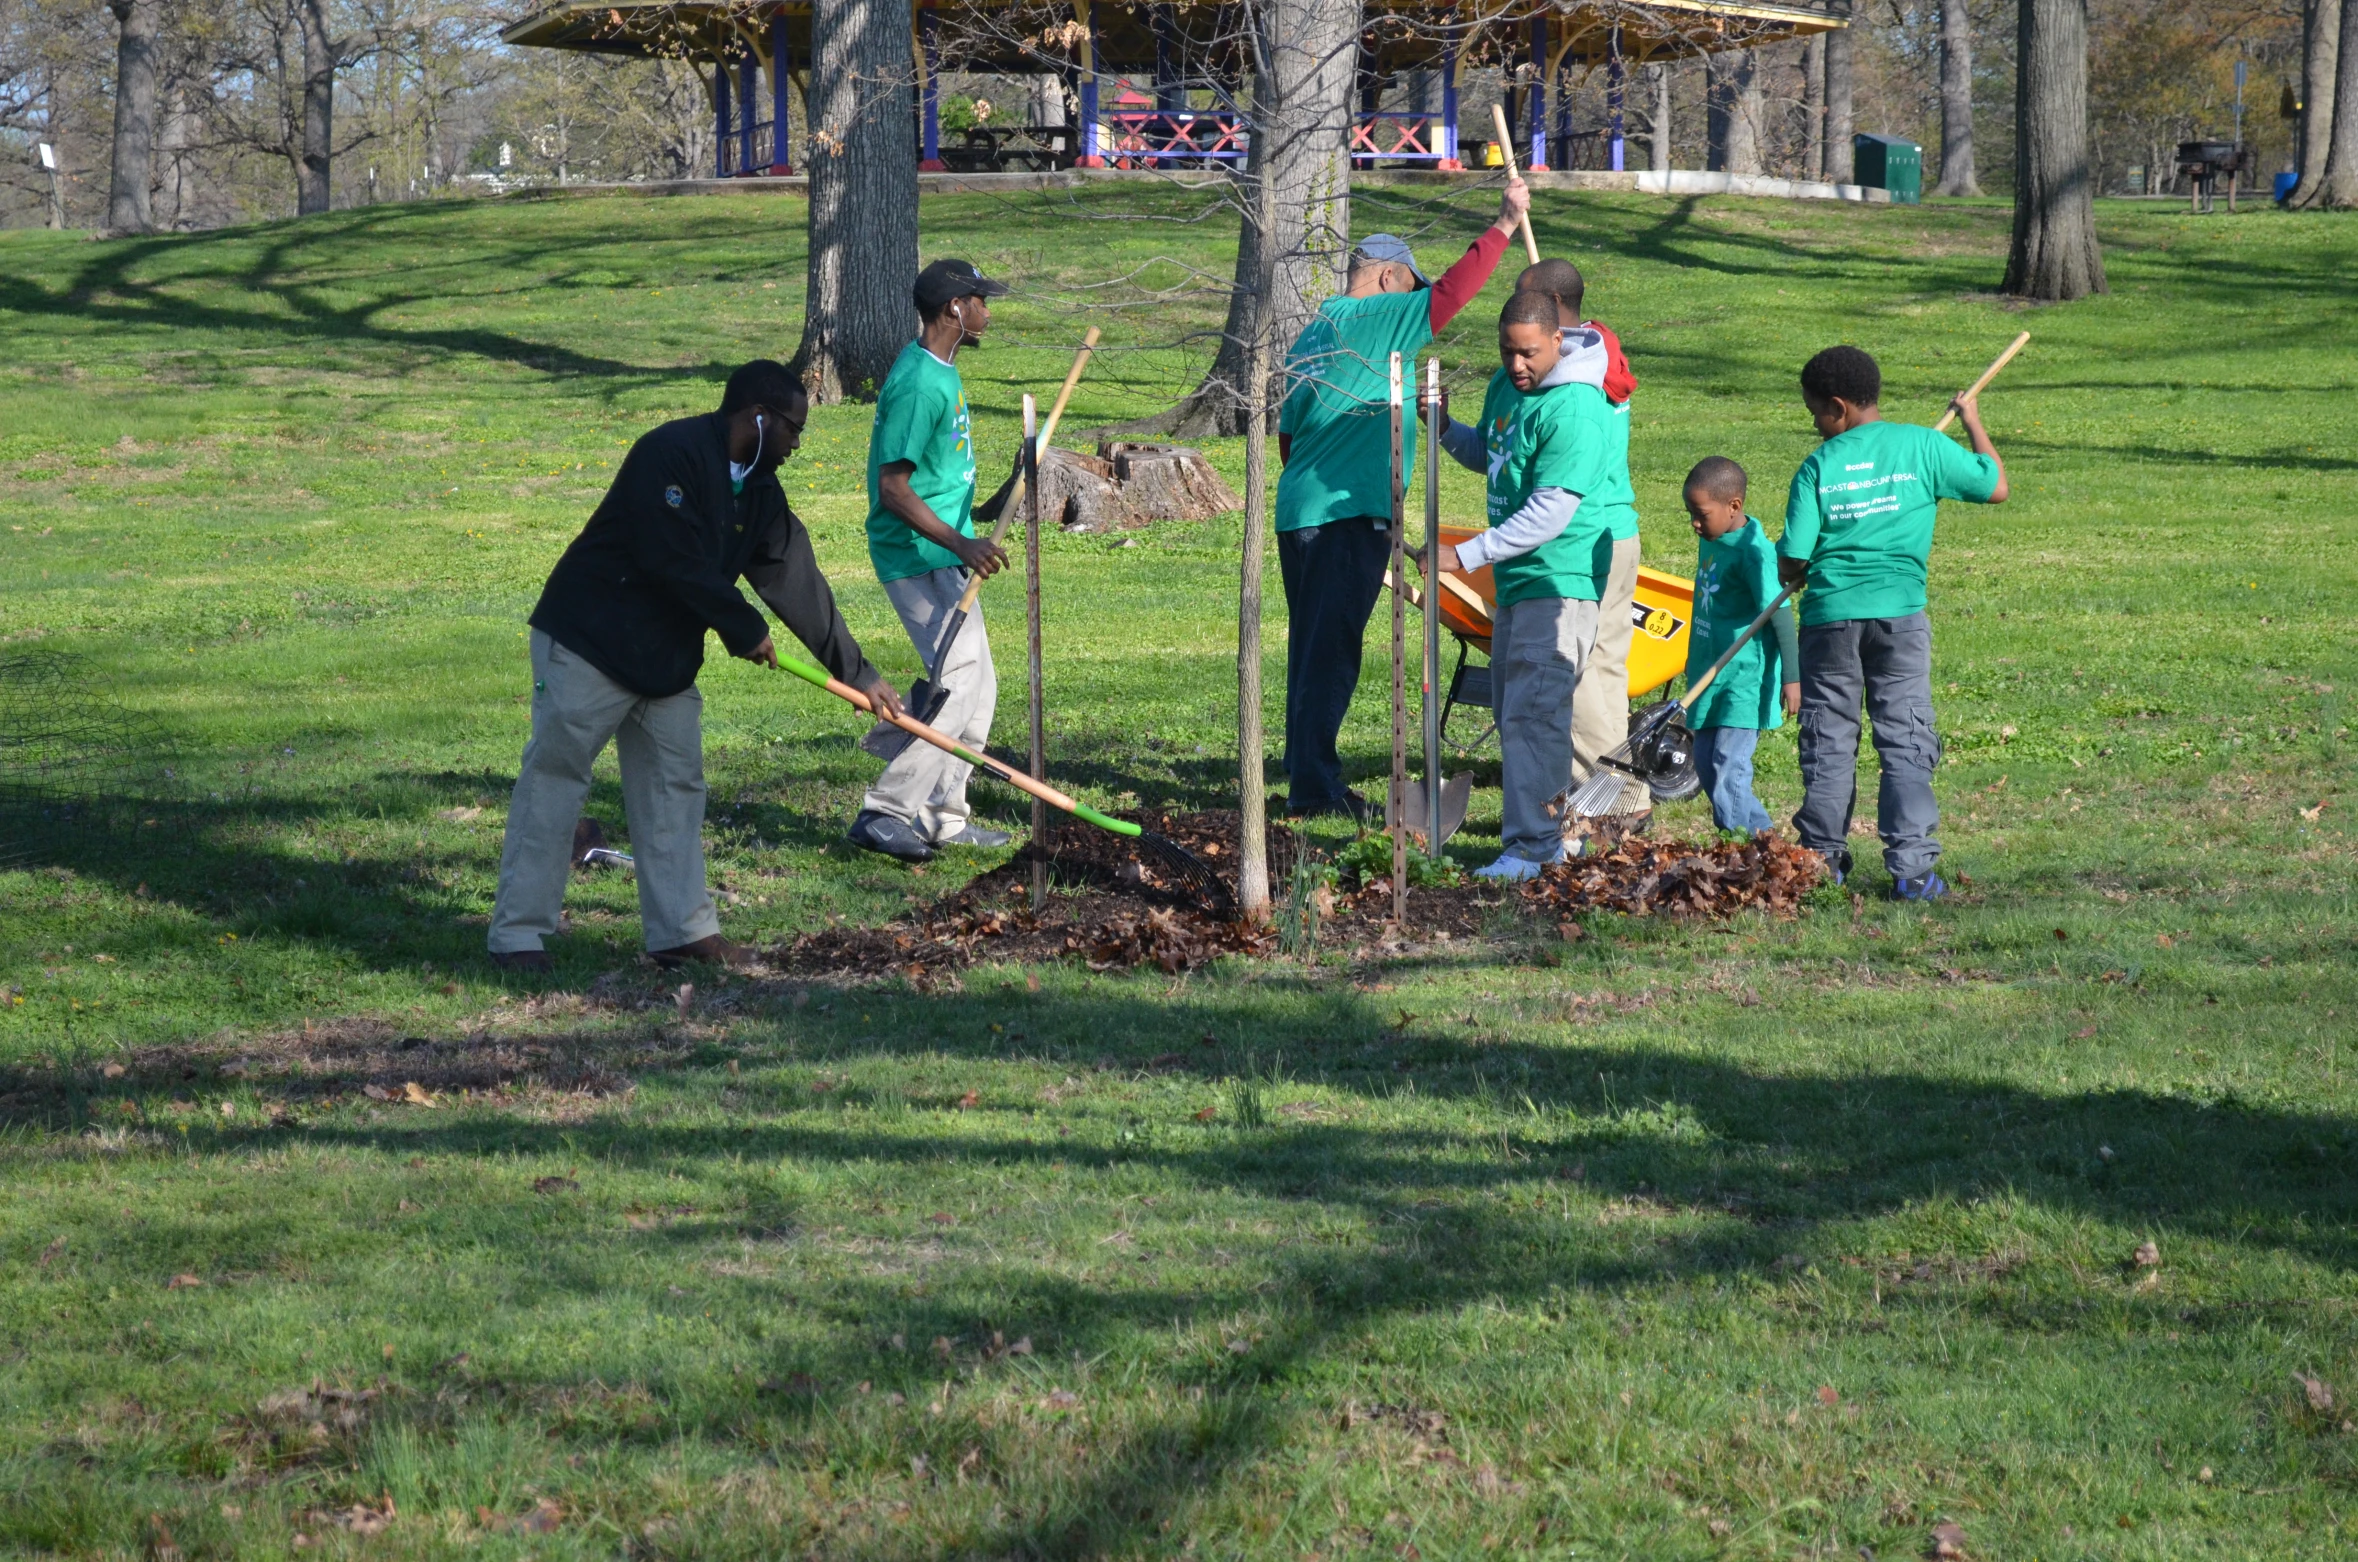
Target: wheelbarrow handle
(948,745)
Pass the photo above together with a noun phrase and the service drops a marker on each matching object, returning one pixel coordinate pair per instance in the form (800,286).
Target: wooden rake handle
(1506,152)
(1982,384)
(1047,433)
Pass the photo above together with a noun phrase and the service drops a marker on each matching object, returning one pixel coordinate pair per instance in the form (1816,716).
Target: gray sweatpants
(1537,649)
(575,710)
(1888,661)
(922,786)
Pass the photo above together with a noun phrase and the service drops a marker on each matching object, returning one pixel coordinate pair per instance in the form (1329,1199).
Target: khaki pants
(1537,652)
(575,710)
(923,787)
(1600,708)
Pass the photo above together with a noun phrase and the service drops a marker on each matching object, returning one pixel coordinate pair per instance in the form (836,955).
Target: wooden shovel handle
(1047,433)
(1982,384)
(1506,152)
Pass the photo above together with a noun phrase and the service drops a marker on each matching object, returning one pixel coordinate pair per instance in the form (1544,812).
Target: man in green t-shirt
(1334,498)
(1545,445)
(921,515)
(1858,530)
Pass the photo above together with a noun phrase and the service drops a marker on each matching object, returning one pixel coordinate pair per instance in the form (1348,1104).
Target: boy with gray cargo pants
(1858,531)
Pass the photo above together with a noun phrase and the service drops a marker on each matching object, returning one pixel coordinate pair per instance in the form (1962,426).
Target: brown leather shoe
(522,960)
(712,949)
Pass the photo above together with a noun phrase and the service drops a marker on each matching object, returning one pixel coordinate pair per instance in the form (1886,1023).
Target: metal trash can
(1888,163)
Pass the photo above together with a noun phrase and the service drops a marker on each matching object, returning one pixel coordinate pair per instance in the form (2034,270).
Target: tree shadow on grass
(1760,1173)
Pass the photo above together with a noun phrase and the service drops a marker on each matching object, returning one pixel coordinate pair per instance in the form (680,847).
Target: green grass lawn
(1756,1240)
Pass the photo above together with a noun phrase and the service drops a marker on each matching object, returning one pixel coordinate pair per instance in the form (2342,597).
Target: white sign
(48,156)
(506,155)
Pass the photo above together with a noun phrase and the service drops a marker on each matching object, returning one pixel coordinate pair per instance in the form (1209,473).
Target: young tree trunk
(1813,108)
(1301,117)
(2338,189)
(1252,865)
(863,212)
(312,192)
(1839,168)
(2321,39)
(1956,102)
(129,200)
(1660,148)
(2055,255)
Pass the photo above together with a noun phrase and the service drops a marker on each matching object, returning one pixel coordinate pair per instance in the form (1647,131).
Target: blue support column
(720,119)
(1091,156)
(1616,90)
(781,96)
(929,23)
(748,83)
(1449,157)
(1537,160)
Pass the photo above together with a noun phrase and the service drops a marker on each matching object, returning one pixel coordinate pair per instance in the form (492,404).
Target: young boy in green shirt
(1735,581)
(921,515)
(1545,443)
(1858,531)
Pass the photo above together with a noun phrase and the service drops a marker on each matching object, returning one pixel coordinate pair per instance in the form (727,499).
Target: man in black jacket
(618,638)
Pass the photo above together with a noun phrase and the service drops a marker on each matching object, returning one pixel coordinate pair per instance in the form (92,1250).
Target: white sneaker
(1511,869)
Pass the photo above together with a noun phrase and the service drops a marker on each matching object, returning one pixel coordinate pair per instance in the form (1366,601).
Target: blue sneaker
(1930,887)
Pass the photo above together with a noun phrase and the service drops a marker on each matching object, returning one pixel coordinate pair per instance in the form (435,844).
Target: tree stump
(1080,493)
(1168,482)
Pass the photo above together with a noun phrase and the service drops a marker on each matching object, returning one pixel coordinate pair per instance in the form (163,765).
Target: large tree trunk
(863,214)
(2321,39)
(1732,113)
(2054,254)
(1813,108)
(1308,58)
(1839,168)
(312,191)
(1660,147)
(1956,102)
(129,204)
(2338,188)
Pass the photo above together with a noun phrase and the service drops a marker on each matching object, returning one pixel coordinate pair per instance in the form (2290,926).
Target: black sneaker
(1837,864)
(891,837)
(1350,805)
(980,837)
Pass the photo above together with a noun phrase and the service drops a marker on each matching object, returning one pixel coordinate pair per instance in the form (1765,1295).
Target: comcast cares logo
(672,496)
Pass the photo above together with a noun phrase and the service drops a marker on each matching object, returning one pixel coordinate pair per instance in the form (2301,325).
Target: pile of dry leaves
(1643,877)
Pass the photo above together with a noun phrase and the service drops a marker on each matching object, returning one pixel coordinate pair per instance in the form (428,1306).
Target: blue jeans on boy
(1333,575)
(1723,761)
(1887,664)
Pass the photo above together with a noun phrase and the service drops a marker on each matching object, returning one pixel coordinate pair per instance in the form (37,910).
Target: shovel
(1192,874)
(926,696)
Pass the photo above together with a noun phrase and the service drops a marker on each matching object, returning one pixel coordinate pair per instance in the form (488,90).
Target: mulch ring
(1115,908)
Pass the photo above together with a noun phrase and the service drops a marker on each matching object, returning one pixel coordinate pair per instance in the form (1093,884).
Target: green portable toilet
(1888,163)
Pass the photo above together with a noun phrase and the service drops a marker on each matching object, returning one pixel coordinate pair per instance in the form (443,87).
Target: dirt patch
(1115,908)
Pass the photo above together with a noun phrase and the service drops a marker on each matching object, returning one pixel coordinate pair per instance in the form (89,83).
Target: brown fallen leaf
(969,1101)
(2147,1256)
(554,1184)
(111,1070)
(2083,1035)
(1827,1395)
(416,1094)
(1061,1399)
(378,1093)
(49,1253)
(160,1545)
(2311,814)
(1022,1347)
(2165,940)
(2061,936)
(942,1218)
(1207,1114)
(1948,1541)
(2317,1391)
(182,1282)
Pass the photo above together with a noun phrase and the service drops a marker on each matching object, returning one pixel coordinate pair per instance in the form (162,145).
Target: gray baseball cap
(1378,248)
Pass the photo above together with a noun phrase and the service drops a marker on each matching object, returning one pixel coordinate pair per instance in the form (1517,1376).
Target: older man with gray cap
(1334,500)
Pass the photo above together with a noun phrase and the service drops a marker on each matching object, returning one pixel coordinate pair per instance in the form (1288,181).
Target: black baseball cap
(945,280)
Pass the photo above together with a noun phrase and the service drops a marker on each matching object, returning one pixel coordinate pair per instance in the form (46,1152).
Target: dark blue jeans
(1333,574)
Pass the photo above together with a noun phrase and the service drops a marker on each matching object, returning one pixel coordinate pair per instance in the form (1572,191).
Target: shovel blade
(1456,792)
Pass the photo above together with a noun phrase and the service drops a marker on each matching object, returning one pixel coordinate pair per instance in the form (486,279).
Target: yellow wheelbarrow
(1662,614)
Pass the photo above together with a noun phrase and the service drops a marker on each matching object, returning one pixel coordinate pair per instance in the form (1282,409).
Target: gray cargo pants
(1888,661)
(576,710)
(1537,650)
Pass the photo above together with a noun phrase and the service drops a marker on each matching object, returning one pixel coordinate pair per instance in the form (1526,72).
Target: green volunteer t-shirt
(1556,437)
(921,419)
(1619,495)
(1861,513)
(1338,414)
(1735,577)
